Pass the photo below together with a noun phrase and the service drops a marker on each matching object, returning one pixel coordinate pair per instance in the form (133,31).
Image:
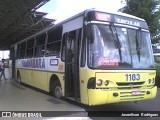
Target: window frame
(39,50)
(22,52)
(56,35)
(30,48)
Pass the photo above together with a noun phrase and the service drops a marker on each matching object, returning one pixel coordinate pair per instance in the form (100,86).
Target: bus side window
(30,47)
(22,50)
(53,48)
(17,51)
(40,45)
(54,41)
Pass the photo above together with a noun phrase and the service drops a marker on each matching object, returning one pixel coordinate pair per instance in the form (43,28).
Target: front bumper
(105,96)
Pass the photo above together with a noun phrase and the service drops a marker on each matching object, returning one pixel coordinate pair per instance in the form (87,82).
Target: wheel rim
(58,92)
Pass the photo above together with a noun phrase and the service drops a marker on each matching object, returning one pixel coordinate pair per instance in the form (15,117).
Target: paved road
(15,97)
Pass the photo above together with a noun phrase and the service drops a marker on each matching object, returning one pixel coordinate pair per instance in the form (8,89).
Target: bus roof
(94,10)
(89,10)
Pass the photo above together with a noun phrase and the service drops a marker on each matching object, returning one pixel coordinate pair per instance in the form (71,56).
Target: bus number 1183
(132,77)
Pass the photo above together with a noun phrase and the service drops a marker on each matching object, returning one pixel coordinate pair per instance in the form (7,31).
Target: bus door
(72,41)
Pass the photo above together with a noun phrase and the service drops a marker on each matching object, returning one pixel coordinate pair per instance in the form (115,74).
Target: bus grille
(130,85)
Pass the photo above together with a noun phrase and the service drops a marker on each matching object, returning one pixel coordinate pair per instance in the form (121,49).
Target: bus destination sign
(102,16)
(117,18)
(128,21)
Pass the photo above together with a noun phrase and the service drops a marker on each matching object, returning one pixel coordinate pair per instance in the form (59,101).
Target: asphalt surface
(17,101)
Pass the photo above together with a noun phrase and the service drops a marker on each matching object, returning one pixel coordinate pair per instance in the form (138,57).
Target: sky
(62,9)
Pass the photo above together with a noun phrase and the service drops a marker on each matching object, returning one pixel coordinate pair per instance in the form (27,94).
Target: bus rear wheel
(57,90)
(19,78)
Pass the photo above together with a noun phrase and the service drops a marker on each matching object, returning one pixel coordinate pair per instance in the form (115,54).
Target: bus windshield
(119,47)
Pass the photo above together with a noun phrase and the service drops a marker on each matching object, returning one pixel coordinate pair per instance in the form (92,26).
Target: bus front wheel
(57,90)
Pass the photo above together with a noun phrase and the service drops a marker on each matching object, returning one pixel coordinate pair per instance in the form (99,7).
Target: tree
(146,9)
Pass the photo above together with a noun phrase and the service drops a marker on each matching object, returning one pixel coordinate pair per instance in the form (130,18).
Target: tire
(57,90)
(19,78)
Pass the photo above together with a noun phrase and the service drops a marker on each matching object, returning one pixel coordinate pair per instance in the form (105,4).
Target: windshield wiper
(116,40)
(137,45)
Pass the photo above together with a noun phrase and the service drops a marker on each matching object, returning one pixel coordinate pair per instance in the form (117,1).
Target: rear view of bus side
(94,58)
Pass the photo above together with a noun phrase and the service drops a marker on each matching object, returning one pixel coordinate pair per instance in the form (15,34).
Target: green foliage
(155,40)
(145,9)
(158,75)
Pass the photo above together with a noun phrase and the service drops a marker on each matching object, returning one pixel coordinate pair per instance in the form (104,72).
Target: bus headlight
(106,83)
(99,82)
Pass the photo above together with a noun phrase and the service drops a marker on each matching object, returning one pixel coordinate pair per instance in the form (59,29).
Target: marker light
(99,82)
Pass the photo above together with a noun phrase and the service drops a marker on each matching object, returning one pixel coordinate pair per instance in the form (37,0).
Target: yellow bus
(93,58)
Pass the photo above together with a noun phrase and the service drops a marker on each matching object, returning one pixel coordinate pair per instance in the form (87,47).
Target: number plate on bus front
(136,93)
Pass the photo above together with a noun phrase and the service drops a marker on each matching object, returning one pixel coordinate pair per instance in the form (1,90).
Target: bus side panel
(40,79)
(84,77)
(39,74)
(30,76)
(24,75)
(34,78)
